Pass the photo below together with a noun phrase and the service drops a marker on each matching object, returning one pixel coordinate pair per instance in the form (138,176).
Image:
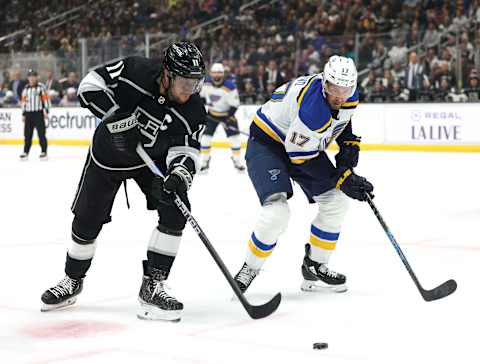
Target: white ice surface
(431,202)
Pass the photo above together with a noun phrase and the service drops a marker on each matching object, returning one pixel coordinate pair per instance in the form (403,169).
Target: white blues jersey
(299,116)
(220,99)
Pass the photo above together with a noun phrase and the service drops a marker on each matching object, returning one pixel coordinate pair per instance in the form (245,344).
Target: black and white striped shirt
(35,98)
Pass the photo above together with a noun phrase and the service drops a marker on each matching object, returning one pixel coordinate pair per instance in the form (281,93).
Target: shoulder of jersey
(141,69)
(229,85)
(312,106)
(193,110)
(352,102)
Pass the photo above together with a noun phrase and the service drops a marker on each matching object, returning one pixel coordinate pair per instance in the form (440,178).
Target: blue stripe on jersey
(314,110)
(272,126)
(324,235)
(277,96)
(302,154)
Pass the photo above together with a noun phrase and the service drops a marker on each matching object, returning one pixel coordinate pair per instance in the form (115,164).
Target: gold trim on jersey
(325,127)
(262,125)
(218,114)
(304,90)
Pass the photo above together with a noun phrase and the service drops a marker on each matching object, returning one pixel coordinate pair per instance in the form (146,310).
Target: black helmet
(184,59)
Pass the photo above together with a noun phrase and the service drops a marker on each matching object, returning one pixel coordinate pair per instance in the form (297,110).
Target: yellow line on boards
(467,148)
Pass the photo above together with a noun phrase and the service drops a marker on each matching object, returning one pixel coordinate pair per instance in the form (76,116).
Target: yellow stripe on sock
(259,253)
(327,245)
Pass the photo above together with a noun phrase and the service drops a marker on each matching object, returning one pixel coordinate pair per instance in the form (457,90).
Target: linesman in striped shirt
(35,106)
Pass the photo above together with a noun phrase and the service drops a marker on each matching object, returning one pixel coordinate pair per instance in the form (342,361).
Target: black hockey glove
(177,181)
(347,157)
(124,132)
(354,186)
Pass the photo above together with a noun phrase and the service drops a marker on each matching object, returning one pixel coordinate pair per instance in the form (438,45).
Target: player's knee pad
(273,218)
(164,241)
(171,218)
(332,208)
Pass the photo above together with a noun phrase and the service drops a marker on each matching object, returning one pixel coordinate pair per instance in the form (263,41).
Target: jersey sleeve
(312,127)
(233,98)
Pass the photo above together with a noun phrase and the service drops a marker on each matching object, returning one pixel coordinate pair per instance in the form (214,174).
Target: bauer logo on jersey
(274,174)
(122,125)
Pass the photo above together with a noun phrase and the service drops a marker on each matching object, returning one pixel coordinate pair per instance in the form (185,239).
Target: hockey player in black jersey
(155,103)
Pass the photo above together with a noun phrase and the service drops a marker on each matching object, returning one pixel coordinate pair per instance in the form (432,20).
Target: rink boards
(411,127)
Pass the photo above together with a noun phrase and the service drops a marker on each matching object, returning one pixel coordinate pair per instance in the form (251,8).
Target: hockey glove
(347,157)
(354,186)
(177,181)
(124,132)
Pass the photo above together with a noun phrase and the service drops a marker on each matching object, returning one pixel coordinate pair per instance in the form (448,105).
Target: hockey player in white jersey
(222,100)
(288,138)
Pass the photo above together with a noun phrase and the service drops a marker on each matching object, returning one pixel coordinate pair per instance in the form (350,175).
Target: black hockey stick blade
(258,312)
(443,290)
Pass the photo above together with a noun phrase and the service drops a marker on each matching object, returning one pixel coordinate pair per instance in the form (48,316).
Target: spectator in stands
(51,83)
(426,93)
(432,36)
(414,75)
(70,82)
(273,76)
(248,96)
(398,53)
(70,98)
(398,93)
(378,93)
(471,93)
(54,96)
(445,92)
(259,80)
(17,85)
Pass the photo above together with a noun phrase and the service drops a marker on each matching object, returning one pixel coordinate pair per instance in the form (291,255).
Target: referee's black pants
(34,120)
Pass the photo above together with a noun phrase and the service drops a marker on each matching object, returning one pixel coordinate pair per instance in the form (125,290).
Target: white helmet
(341,71)
(217,67)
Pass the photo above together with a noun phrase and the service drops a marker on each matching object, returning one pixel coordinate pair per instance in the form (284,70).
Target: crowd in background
(412,49)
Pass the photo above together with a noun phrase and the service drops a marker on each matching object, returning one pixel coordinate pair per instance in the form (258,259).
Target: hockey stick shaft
(441,291)
(226,126)
(255,312)
(393,241)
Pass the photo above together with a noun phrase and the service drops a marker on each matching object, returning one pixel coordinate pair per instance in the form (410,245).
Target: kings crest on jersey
(299,116)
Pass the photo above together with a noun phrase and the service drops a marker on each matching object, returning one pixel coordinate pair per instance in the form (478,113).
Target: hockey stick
(255,312)
(443,290)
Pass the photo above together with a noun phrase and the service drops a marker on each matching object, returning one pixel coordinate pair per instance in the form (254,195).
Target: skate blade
(151,313)
(46,307)
(318,286)
(44,159)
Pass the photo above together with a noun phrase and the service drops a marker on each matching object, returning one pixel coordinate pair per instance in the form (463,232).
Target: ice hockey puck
(320,346)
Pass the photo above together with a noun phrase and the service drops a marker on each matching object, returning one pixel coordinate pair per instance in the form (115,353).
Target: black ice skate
(155,302)
(63,294)
(318,277)
(245,277)
(43,156)
(24,157)
(237,164)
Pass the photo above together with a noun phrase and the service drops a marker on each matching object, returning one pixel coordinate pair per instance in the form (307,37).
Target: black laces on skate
(65,287)
(246,275)
(159,292)
(322,268)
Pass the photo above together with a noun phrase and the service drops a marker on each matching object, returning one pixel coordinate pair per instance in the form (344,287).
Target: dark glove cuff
(342,175)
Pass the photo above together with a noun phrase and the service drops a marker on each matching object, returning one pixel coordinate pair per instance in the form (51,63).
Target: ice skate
(245,277)
(237,164)
(318,277)
(205,165)
(155,302)
(24,157)
(43,156)
(63,294)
